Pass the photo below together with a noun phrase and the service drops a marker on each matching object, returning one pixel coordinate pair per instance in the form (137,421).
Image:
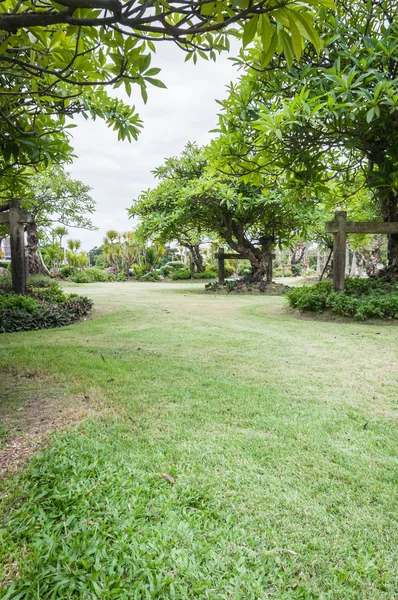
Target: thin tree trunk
(36,266)
(353,271)
(347,260)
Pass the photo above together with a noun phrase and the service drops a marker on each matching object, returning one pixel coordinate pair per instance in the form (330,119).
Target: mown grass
(280,435)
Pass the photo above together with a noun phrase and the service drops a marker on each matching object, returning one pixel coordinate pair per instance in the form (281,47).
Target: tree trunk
(35,265)
(354,265)
(298,251)
(196,257)
(390,214)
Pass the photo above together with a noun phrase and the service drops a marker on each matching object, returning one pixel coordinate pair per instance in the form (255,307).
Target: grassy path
(280,435)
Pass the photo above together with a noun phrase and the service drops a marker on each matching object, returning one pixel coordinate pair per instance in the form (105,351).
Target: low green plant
(181,274)
(149,277)
(43,316)
(53,293)
(17,302)
(172,266)
(121,277)
(92,275)
(279,272)
(5,265)
(362,298)
(66,271)
(40,281)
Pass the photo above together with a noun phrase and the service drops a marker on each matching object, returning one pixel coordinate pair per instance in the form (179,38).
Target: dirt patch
(31,407)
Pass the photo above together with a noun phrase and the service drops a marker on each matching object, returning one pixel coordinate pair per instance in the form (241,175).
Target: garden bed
(45,306)
(241,286)
(362,299)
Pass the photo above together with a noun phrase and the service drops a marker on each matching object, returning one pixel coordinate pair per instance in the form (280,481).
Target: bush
(40,281)
(278,272)
(5,265)
(17,302)
(92,275)
(172,266)
(121,277)
(53,293)
(312,298)
(181,274)
(206,275)
(46,316)
(149,277)
(65,271)
(138,271)
(362,299)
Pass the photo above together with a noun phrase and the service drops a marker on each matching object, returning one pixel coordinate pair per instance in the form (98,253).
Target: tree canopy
(58,58)
(325,125)
(190,196)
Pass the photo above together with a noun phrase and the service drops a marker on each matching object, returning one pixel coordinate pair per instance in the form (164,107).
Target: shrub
(212,267)
(5,265)
(53,293)
(206,275)
(149,277)
(121,277)
(172,266)
(362,299)
(65,271)
(138,271)
(92,275)
(278,272)
(181,274)
(17,302)
(46,316)
(312,298)
(41,281)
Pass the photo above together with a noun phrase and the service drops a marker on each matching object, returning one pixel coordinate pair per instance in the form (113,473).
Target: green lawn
(279,432)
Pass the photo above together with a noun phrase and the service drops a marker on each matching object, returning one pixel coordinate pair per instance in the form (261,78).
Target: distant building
(5,248)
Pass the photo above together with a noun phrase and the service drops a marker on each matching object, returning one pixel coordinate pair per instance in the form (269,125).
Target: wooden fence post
(221,272)
(339,251)
(18,266)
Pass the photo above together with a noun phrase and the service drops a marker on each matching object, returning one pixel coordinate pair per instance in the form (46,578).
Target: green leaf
(155,82)
(295,37)
(249,31)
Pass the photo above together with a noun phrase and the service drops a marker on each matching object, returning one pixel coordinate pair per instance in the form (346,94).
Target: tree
(251,222)
(320,123)
(57,59)
(55,198)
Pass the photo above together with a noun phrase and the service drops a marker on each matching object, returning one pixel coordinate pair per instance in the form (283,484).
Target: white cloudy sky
(118,171)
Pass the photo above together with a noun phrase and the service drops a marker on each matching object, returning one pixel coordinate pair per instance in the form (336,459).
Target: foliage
(362,298)
(249,218)
(52,293)
(16,302)
(54,197)
(91,275)
(45,317)
(278,272)
(65,271)
(57,59)
(181,274)
(149,277)
(45,306)
(325,126)
(171,266)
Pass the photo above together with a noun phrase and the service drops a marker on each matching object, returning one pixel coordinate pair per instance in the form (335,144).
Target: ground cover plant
(362,298)
(244,456)
(45,306)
